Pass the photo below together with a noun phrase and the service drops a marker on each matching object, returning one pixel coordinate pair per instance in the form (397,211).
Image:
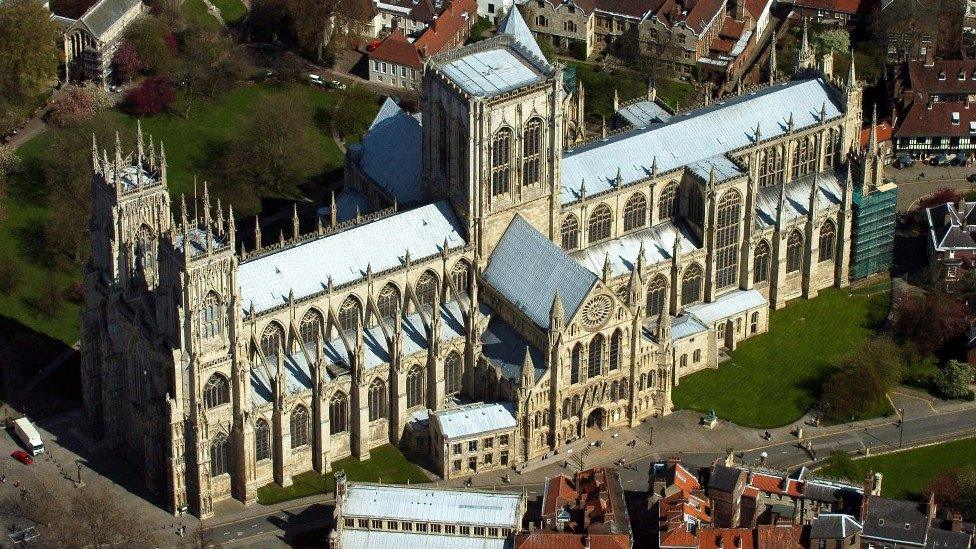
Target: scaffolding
(873,237)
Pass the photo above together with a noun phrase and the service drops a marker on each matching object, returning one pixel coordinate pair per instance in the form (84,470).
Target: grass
(196,11)
(232,11)
(772,379)
(906,474)
(386,464)
(600,85)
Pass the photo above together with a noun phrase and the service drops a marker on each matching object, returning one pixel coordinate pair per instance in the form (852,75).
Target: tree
(954,379)
(73,107)
(929,320)
(28,51)
(353,111)
(126,61)
(9,163)
(855,388)
(955,489)
(278,148)
(832,40)
(150,38)
(11,276)
(205,65)
(152,96)
(939,197)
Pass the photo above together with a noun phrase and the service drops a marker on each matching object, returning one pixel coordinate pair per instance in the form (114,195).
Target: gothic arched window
(635,212)
(656,291)
(310,326)
(599,224)
(452,373)
(760,267)
(666,205)
(804,157)
(262,440)
(691,285)
(388,301)
(577,364)
(831,149)
(350,313)
(614,390)
(299,427)
(531,152)
(541,21)
(616,341)
(570,232)
(827,236)
(696,204)
(216,391)
(210,320)
(727,239)
(219,456)
(377,400)
(415,387)
(595,365)
(338,410)
(501,162)
(443,142)
(460,275)
(145,253)
(794,252)
(566,408)
(272,341)
(461,157)
(426,288)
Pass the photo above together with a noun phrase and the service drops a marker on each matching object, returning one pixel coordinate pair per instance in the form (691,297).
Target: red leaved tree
(938,197)
(929,320)
(152,96)
(127,62)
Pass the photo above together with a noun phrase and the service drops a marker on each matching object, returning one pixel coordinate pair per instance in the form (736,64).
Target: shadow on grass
(32,244)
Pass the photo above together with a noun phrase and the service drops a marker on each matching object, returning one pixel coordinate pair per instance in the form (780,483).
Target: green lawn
(386,464)
(196,11)
(232,11)
(772,379)
(906,474)
(600,85)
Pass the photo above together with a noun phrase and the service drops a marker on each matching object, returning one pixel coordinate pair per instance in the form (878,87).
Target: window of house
(456,465)
(383,70)
(501,151)
(738,325)
(489,442)
(363,523)
(262,440)
(489,458)
(392,525)
(504,458)
(465,530)
(503,440)
(754,323)
(299,427)
(377,525)
(491,8)
(493,532)
(635,212)
(721,333)
(472,445)
(684,361)
(760,267)
(696,356)
(479,530)
(457,448)
(473,463)
(406,526)
(449,529)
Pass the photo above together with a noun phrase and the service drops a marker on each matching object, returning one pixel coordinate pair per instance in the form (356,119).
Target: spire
(231,228)
(664,317)
(556,312)
(640,259)
(139,143)
(183,219)
(607,270)
(758,132)
(94,153)
(152,153)
(528,368)
(676,250)
(162,162)
(651,90)
(654,167)
(616,100)
(804,41)
(604,128)
(220,219)
(790,124)
(781,209)
(619,180)
(117,172)
(738,87)
(873,136)
(823,112)
(333,216)
(851,76)
(295,229)
(583,190)
(772,59)
(206,216)
(257,234)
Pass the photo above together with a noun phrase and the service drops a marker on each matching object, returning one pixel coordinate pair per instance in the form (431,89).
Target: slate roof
(100,17)
(475,419)
(946,539)
(895,520)
(696,135)
(514,25)
(724,478)
(658,244)
(945,226)
(306,268)
(527,269)
(833,526)
(730,304)
(433,505)
(492,72)
(391,153)
(504,346)
(643,113)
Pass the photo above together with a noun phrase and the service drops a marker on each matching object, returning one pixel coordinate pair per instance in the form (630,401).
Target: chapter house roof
(391,153)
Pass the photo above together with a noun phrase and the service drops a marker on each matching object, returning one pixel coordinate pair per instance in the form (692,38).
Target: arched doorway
(596,420)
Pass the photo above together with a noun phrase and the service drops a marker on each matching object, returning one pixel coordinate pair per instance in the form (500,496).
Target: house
(952,239)
(472,439)
(839,12)
(901,524)
(934,111)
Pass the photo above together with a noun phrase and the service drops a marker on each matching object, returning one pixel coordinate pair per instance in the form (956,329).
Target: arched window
(377,400)
(576,405)
(794,251)
(350,313)
(299,427)
(531,152)
(310,326)
(461,157)
(599,224)
(338,411)
(754,323)
(415,387)
(804,157)
(501,162)
(684,361)
(691,285)
(388,302)
(656,291)
(452,373)
(272,341)
(696,204)
(145,252)
(216,391)
(831,149)
(616,340)
(595,366)
(569,26)
(771,167)
(426,288)
(570,232)
(210,321)
(696,356)
(666,205)
(262,440)
(577,364)
(760,267)
(460,277)
(651,379)
(443,142)
(566,408)
(727,239)
(827,236)
(614,390)
(635,212)
(218,456)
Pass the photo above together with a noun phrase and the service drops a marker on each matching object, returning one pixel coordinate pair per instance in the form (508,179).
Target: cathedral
(502,283)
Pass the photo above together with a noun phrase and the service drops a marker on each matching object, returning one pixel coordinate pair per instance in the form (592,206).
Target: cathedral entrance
(597,420)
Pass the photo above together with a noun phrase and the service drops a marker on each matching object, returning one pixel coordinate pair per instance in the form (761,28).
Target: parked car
(337,85)
(971,178)
(22,457)
(941,160)
(960,159)
(904,161)
(316,80)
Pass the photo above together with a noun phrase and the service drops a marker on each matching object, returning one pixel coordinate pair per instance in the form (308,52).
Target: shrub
(73,107)
(75,292)
(11,276)
(152,96)
(953,380)
(940,196)
(577,48)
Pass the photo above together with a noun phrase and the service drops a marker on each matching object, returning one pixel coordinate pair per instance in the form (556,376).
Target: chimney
(866,498)
(719,541)
(930,509)
(586,538)
(956,522)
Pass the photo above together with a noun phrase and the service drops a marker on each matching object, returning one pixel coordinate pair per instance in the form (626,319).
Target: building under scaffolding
(873,236)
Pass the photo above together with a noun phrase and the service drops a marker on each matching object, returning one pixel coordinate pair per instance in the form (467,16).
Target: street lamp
(901,426)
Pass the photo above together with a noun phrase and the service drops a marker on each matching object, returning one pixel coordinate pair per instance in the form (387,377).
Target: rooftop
(475,419)
(492,72)
(500,509)
(391,153)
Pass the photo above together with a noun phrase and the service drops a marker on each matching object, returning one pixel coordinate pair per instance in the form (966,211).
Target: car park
(941,160)
(904,161)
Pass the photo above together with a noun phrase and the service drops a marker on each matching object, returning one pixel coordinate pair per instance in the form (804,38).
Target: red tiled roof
(925,80)
(772,484)
(850,7)
(442,32)
(395,48)
(563,540)
(702,13)
(713,538)
(791,536)
(884,133)
(756,7)
(922,121)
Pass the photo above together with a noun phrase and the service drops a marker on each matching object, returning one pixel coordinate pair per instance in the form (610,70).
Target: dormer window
(973,76)
(955,118)
(972,127)
(942,75)
(961,75)
(908,526)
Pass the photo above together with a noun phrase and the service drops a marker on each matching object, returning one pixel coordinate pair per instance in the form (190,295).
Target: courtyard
(772,379)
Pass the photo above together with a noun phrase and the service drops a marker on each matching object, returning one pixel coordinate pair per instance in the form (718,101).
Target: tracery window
(452,373)
(460,277)
(216,391)
(310,326)
(668,202)
(691,285)
(760,267)
(531,152)
(615,348)
(599,224)
(804,157)
(566,408)
(635,212)
(426,288)
(771,167)
(570,232)
(388,301)
(460,179)
(338,412)
(831,149)
(577,364)
(262,440)
(145,254)
(218,456)
(350,313)
(299,427)
(794,252)
(595,365)
(377,400)
(727,239)
(656,291)
(415,387)
(210,320)
(827,237)
(272,341)
(696,204)
(501,162)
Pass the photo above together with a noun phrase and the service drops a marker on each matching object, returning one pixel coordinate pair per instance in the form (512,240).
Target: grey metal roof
(432,505)
(505,347)
(642,113)
(306,268)
(696,135)
(730,304)
(466,421)
(833,526)
(720,165)
(100,17)
(198,241)
(528,269)
(391,153)
(347,202)
(685,326)
(797,198)
(514,25)
(403,540)
(658,244)
(492,72)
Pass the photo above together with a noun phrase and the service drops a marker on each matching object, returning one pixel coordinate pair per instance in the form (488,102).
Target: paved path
(921,179)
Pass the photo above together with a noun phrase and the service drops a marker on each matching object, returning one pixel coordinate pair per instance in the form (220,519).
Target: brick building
(934,108)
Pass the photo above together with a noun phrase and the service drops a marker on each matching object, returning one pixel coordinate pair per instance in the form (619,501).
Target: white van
(29,436)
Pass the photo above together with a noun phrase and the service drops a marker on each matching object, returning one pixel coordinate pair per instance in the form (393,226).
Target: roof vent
(907,526)
(942,75)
